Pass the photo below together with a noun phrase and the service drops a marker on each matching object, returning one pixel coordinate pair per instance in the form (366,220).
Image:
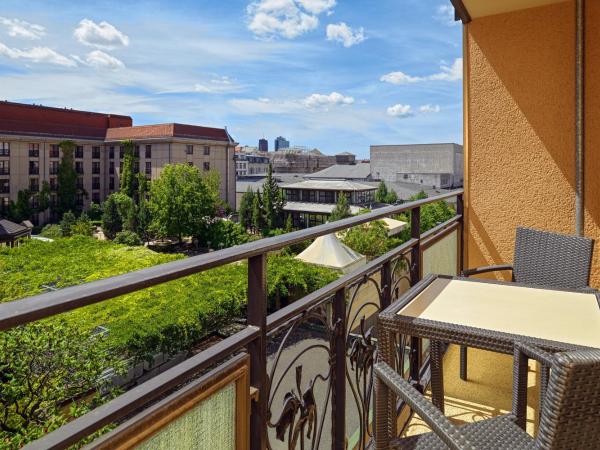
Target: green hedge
(169,317)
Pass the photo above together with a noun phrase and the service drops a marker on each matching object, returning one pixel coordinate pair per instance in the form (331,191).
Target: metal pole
(338,413)
(579,115)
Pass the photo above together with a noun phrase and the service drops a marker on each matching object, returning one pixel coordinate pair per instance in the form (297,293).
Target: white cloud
(429,108)
(38,55)
(445,14)
(399,78)
(285,18)
(101,35)
(317,6)
(447,73)
(101,60)
(399,110)
(343,33)
(325,101)
(20,28)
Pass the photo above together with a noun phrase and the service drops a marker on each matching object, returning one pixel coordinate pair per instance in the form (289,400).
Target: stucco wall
(520,128)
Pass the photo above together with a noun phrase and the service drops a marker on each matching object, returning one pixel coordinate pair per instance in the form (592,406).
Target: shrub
(51,231)
(67,222)
(128,238)
(82,226)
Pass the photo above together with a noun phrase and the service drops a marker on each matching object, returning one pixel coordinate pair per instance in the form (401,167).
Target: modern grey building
(263,145)
(281,143)
(436,165)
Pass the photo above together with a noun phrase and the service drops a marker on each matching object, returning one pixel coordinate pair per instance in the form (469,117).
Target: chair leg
(519,404)
(545,376)
(437,374)
(463,363)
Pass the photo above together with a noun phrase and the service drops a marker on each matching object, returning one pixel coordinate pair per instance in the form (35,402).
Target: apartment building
(30,154)
(250,165)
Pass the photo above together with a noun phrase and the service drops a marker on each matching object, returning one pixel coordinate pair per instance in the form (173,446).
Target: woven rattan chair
(570,417)
(544,259)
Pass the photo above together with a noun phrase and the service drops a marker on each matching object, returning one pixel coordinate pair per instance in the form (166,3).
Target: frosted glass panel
(209,425)
(442,258)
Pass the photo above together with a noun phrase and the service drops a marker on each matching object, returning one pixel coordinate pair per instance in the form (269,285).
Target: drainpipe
(579,115)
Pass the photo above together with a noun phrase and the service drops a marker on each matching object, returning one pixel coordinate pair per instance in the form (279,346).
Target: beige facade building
(29,152)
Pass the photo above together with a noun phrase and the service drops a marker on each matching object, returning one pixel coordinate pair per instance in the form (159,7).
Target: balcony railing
(337,401)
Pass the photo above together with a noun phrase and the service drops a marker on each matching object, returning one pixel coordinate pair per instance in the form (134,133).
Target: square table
(490,315)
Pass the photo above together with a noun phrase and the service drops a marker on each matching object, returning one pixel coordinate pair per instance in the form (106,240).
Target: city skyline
(329,74)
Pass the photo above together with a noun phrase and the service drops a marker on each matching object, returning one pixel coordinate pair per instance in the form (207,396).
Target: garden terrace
(325,326)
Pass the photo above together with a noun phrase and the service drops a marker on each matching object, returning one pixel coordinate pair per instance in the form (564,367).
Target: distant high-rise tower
(263,145)
(281,143)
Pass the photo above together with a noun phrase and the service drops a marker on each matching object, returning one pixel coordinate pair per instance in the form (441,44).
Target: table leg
(437,374)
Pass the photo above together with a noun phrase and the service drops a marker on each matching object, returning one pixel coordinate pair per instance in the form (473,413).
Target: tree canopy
(66,179)
(342,208)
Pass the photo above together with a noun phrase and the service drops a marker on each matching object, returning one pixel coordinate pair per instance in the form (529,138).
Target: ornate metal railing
(311,361)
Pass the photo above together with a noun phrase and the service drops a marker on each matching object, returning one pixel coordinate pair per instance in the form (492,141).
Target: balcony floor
(488,392)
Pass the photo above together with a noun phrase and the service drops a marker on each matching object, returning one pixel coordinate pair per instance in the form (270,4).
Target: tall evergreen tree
(272,202)
(128,176)
(67,179)
(245,210)
(258,219)
(22,209)
(144,218)
(44,197)
(381,193)
(342,208)
(111,219)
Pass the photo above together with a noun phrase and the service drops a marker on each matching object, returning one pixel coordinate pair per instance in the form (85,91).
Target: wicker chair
(570,417)
(544,259)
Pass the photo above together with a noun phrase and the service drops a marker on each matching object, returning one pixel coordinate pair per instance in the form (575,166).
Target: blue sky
(338,75)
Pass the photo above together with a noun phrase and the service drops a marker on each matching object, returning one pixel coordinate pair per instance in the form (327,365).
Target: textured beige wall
(519,127)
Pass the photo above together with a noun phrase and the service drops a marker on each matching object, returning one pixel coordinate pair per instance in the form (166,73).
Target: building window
(136,151)
(121,151)
(34,185)
(79,199)
(34,202)
(111,153)
(34,150)
(96,183)
(53,167)
(136,166)
(79,151)
(96,152)
(79,167)
(148,151)
(4,186)
(53,200)
(206,150)
(96,197)
(96,167)
(4,167)
(206,166)
(4,148)
(4,204)
(111,183)
(79,183)
(111,167)
(53,184)
(148,168)
(34,168)
(54,151)
(189,149)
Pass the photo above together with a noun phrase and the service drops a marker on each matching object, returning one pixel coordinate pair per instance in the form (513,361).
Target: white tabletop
(561,316)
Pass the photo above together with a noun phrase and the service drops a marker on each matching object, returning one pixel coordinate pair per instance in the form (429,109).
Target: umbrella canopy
(328,251)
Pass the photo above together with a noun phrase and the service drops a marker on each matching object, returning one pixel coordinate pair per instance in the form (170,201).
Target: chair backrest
(551,259)
(571,410)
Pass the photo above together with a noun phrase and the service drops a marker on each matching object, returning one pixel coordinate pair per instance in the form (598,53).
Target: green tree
(22,209)
(342,208)
(47,367)
(95,211)
(127,210)
(66,179)
(381,192)
(272,202)
(44,197)
(245,210)
(143,214)
(181,203)
(391,197)
(128,176)
(370,239)
(432,214)
(289,226)
(258,218)
(111,219)
(67,222)
(82,226)
(128,238)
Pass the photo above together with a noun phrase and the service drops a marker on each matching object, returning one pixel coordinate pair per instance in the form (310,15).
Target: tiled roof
(10,229)
(168,130)
(358,171)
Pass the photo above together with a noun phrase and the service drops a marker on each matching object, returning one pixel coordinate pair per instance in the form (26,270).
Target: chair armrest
(533,352)
(486,269)
(448,432)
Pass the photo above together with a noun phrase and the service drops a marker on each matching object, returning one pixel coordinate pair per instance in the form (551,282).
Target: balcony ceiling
(482,8)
